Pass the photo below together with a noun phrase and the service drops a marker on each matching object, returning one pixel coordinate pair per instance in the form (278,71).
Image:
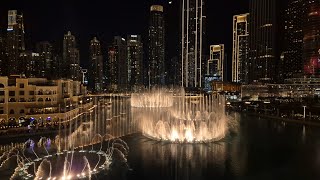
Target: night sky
(48,20)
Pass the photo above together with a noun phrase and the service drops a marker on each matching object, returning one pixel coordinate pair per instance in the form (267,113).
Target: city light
(190,89)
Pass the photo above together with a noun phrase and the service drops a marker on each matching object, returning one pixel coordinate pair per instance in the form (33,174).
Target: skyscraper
(15,41)
(311,38)
(292,62)
(71,58)
(57,64)
(263,45)
(46,63)
(192,42)
(240,48)
(31,64)
(216,62)
(118,65)
(135,60)
(156,46)
(96,69)
(3,59)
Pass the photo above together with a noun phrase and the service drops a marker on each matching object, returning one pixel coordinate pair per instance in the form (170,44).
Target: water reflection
(188,161)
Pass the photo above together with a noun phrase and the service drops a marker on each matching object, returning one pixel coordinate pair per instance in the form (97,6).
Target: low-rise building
(40,99)
(292,88)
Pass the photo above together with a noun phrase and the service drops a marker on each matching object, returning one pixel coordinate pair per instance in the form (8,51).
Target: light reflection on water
(261,148)
(186,161)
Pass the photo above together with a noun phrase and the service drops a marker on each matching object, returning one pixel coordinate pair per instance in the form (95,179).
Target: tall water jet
(180,117)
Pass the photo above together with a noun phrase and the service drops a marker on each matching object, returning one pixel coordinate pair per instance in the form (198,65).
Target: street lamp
(84,72)
(304,112)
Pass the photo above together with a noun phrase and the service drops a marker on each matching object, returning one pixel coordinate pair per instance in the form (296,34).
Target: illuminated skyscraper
(15,41)
(156,46)
(240,64)
(96,69)
(215,67)
(31,64)
(118,65)
(3,59)
(71,58)
(46,64)
(135,60)
(311,37)
(291,59)
(263,44)
(192,42)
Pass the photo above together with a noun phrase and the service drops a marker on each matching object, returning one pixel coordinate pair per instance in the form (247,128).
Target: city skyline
(159,89)
(86,26)
(263,51)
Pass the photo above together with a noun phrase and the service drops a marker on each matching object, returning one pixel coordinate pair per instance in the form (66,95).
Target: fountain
(179,117)
(46,162)
(81,153)
(87,145)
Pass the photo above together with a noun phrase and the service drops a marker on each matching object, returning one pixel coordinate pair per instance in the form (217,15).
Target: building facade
(96,69)
(46,60)
(295,88)
(240,64)
(39,99)
(15,41)
(263,45)
(71,58)
(156,48)
(31,65)
(135,60)
(292,62)
(118,65)
(311,38)
(192,42)
(3,54)
(215,67)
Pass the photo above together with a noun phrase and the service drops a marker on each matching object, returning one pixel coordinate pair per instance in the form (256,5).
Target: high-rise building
(26,67)
(46,64)
(311,37)
(118,65)
(135,60)
(96,69)
(174,71)
(3,59)
(240,64)
(156,46)
(291,58)
(30,64)
(192,42)
(71,58)
(263,45)
(215,67)
(15,41)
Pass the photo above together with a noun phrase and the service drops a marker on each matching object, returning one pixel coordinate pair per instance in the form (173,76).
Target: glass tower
(240,48)
(96,69)
(262,40)
(192,42)
(15,42)
(156,70)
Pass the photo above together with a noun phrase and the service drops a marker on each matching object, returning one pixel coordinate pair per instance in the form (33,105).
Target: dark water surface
(260,150)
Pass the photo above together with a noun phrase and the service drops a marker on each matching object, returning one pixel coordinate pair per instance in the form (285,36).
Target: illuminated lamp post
(304,112)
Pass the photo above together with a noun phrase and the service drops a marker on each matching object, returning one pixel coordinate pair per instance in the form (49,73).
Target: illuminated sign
(156,8)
